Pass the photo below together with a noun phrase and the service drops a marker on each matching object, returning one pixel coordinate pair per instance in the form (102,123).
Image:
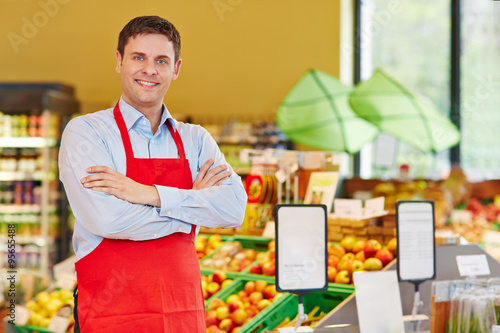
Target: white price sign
(348,208)
(473,265)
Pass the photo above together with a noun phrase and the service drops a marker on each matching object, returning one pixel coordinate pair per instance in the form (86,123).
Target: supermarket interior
(363,135)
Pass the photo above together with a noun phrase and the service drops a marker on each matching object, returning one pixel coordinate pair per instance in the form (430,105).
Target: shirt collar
(131,115)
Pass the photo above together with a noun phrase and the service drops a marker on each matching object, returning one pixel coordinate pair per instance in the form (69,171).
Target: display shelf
(27,142)
(33,116)
(22,175)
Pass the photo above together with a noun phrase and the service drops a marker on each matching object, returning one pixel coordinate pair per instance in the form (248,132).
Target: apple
(333,260)
(205,293)
(222,312)
(249,287)
(270,291)
(251,311)
(263,304)
(357,265)
(226,325)
(271,246)
(278,295)
(348,243)
(337,250)
(212,288)
(256,297)
(256,269)
(345,262)
(215,303)
(242,294)
(371,247)
(392,245)
(260,285)
(342,277)
(235,305)
(372,264)
(360,256)
(385,256)
(358,246)
(226,283)
(219,276)
(269,268)
(214,329)
(232,298)
(236,329)
(331,272)
(211,318)
(239,316)
(250,254)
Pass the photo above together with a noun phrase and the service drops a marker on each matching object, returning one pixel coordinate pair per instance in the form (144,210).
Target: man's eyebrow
(138,54)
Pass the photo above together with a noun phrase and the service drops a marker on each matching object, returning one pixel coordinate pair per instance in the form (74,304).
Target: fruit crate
(27,329)
(230,275)
(266,318)
(258,244)
(326,301)
(223,238)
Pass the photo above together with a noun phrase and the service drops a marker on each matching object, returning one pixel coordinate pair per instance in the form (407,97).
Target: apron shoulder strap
(123,131)
(177,139)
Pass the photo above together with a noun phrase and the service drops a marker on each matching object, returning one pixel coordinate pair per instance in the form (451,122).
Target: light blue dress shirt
(94,139)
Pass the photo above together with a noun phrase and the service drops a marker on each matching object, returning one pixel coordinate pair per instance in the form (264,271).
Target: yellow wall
(239,60)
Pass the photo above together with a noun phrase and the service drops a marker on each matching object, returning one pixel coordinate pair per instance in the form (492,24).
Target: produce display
(230,257)
(353,255)
(212,283)
(45,306)
(231,313)
(344,258)
(206,244)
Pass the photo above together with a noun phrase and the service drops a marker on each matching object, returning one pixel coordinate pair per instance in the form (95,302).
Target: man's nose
(149,67)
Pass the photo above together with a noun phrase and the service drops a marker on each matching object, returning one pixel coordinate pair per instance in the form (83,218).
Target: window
(409,40)
(480,89)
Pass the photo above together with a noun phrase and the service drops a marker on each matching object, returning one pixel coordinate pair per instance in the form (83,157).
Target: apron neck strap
(126,138)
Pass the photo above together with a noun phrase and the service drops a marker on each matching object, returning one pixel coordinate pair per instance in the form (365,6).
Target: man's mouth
(147,83)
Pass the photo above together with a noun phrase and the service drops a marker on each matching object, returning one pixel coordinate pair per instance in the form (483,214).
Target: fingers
(213,177)
(99,168)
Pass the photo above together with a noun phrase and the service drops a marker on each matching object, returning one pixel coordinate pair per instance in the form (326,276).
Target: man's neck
(152,113)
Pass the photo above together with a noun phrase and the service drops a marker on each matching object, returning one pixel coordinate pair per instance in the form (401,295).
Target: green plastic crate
(28,329)
(264,318)
(325,300)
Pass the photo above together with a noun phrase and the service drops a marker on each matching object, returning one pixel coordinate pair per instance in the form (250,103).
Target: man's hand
(104,179)
(211,178)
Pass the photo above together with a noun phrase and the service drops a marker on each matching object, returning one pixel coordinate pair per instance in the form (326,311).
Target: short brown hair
(150,25)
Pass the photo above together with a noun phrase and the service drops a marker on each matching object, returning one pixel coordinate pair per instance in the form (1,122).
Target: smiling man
(128,173)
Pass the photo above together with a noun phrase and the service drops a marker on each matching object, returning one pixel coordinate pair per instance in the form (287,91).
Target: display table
(344,318)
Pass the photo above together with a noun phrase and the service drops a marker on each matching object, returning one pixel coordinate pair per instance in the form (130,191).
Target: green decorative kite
(395,110)
(316,113)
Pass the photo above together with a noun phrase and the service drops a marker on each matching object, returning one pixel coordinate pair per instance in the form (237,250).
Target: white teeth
(147,83)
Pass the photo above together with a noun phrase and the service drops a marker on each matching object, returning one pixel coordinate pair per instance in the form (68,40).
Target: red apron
(144,286)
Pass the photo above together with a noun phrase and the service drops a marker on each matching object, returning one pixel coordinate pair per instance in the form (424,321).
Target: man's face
(146,70)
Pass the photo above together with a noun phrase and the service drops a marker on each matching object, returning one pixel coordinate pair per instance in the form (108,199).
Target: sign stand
(416,246)
(301,251)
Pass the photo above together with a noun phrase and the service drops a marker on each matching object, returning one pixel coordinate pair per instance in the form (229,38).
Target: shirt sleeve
(220,206)
(100,213)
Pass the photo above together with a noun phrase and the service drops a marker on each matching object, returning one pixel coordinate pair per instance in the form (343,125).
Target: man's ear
(177,69)
(118,61)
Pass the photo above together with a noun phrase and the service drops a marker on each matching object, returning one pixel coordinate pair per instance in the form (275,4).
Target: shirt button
(144,122)
(154,235)
(152,141)
(180,229)
(169,212)
(195,221)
